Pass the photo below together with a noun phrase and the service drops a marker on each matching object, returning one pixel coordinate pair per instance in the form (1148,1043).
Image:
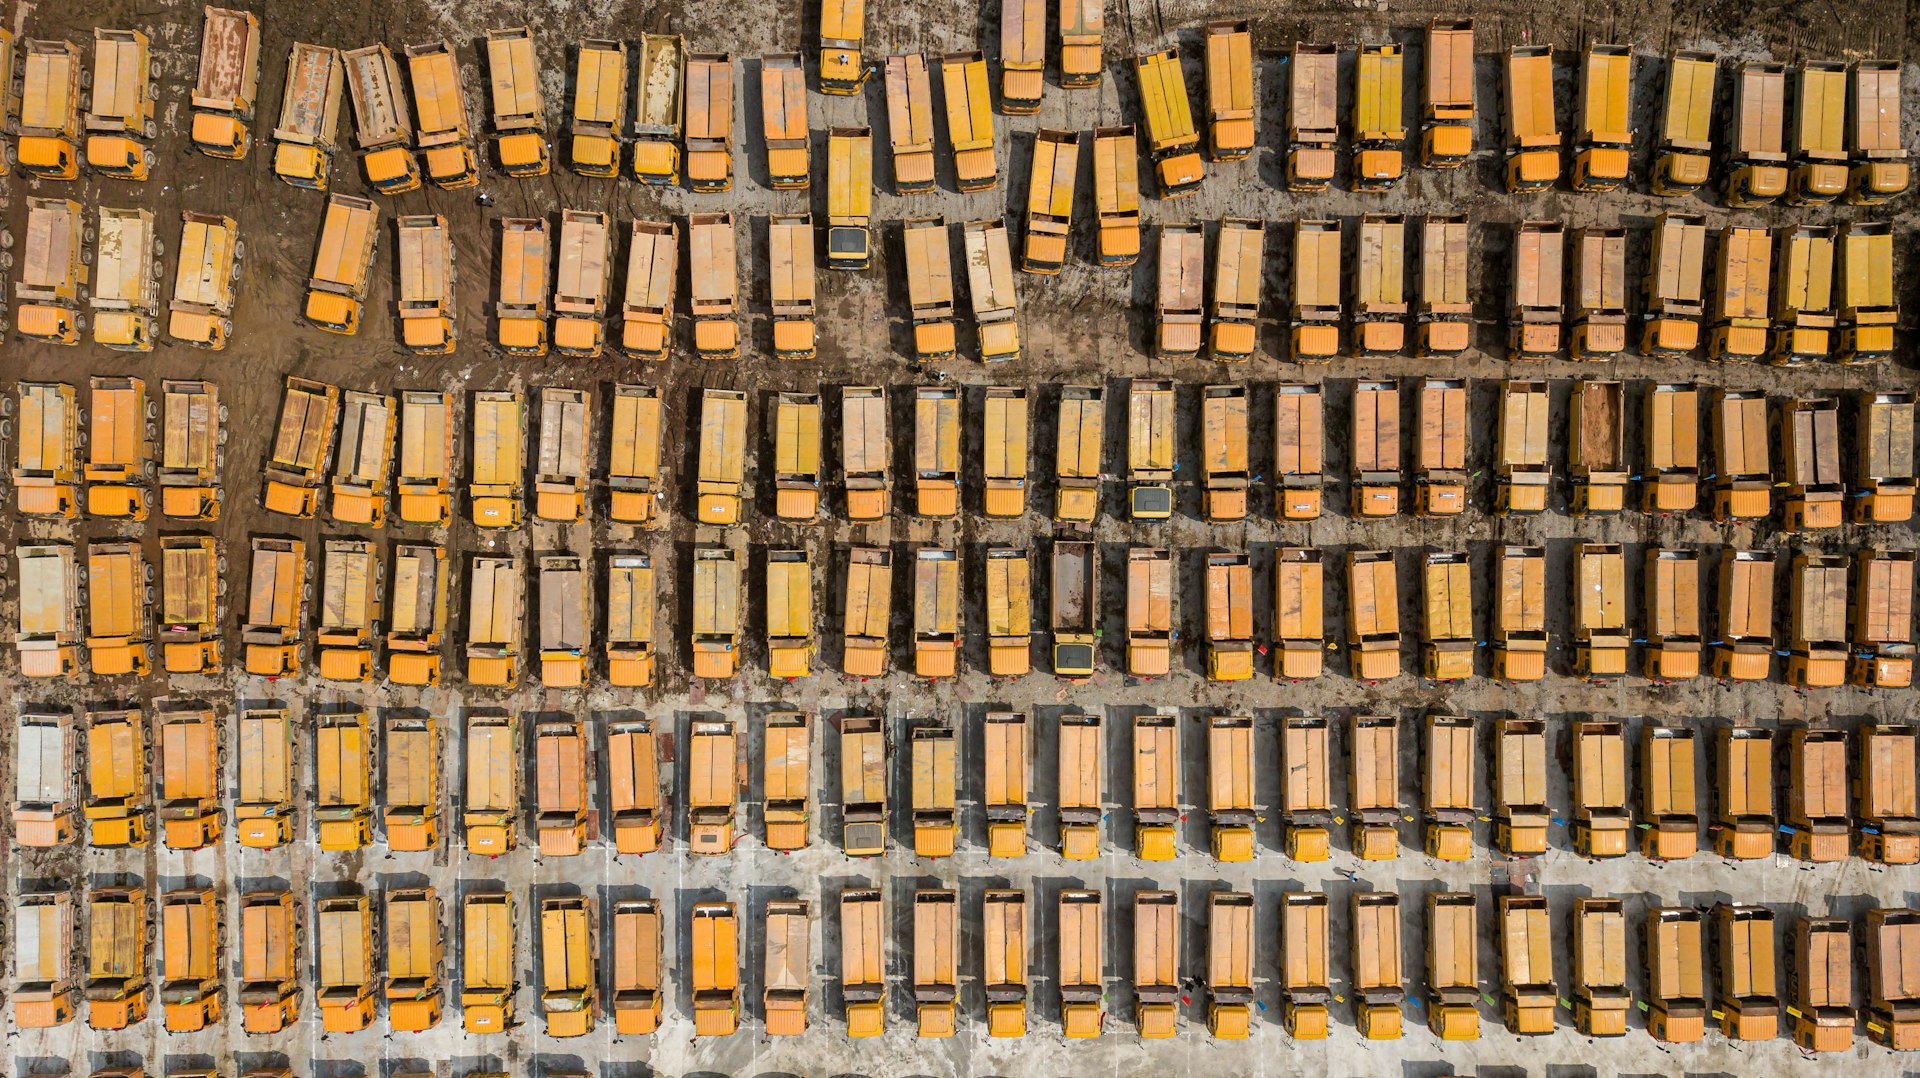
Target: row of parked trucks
(395,948)
(1833,795)
(108,269)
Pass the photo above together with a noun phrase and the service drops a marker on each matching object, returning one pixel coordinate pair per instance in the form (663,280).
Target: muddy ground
(1090,324)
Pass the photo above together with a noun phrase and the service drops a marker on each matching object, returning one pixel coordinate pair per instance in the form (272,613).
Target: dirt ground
(1090,324)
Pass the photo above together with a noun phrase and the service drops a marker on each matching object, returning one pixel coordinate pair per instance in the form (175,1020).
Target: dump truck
(426,303)
(440,102)
(1224,463)
(47,142)
(342,264)
(126,294)
(969,121)
(1817,629)
(863,987)
(228,84)
(634,448)
(496,608)
(711,786)
(929,286)
(1082,963)
(581,285)
(562,770)
(936,612)
(1669,800)
(1317,276)
(1740,297)
(1050,185)
(1234,313)
(716,969)
(1230,999)
(519,107)
(309,128)
(1300,637)
(1229,612)
(190,591)
(791,284)
(1005,961)
(520,314)
(1876,153)
(188,789)
(1156,962)
(1116,194)
(1818,144)
(1230,91)
(600,109)
(488,976)
(990,287)
(263,814)
(1746,969)
(54,277)
(1684,155)
(1672,608)
(1079,435)
(277,595)
(1172,141)
(347,980)
(1080,776)
(570,991)
(1536,298)
(1453,966)
(1009,611)
(116,805)
(864,453)
(1885,802)
(1313,117)
(381,121)
(1868,310)
(201,311)
(1891,987)
(119,932)
(119,614)
(1299,450)
(716,613)
(630,616)
(1446,121)
(1373,616)
(1004,449)
(868,611)
(1376,445)
(936,943)
(1670,475)
(1599,293)
(1444,314)
(270,954)
(1520,787)
(863,786)
(1007,765)
(1532,130)
(709,119)
(936,450)
(1230,806)
(638,966)
(1305,965)
(1676,979)
(1149,611)
(1182,292)
(1601,820)
(1379,124)
(1597,443)
(910,123)
(1524,474)
(45,786)
(715,278)
(1599,611)
(1023,55)
(1818,826)
(658,121)
(1757,161)
(1150,455)
(1527,991)
(191,449)
(418,620)
(936,759)
(1440,457)
(560,462)
(1156,785)
(1809,436)
(365,461)
(1820,984)
(496,490)
(1744,818)
(1377,978)
(1881,611)
(783,120)
(414,957)
(1447,587)
(789,598)
(843,28)
(633,793)
(1380,285)
(787,809)
(1603,139)
(1883,472)
(1803,294)
(1447,780)
(410,745)
(1744,651)
(49,635)
(491,802)
(1600,995)
(120,448)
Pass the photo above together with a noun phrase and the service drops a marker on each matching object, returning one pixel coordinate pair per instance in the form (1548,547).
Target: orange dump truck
(1453,966)
(302,447)
(119,618)
(1670,468)
(712,763)
(1675,958)
(1744,811)
(563,768)
(1299,448)
(1050,193)
(635,487)
(935,761)
(411,750)
(1156,963)
(414,947)
(1373,615)
(347,980)
(1316,285)
(1005,961)
(1306,793)
(1230,804)
(120,931)
(863,959)
(1602,822)
(1299,609)
(1884,793)
(1229,612)
(564,622)
(1380,285)
(653,278)
(191,449)
(495,614)
(46,782)
(867,614)
(1809,436)
(1527,991)
(1377,979)
(1082,963)
(1599,292)
(1149,611)
(352,580)
(1172,141)
(569,986)
(1669,797)
(488,973)
(365,462)
(1448,782)
(1446,120)
(783,120)
(1603,137)
(417,622)
(1305,965)
(120,445)
(936,451)
(788,967)
(263,813)
(1868,308)
(1881,611)
(426,462)
(1817,823)
(116,804)
(910,122)
(716,969)
(1224,465)
(1182,293)
(843,29)
(787,748)
(1743,488)
(1817,625)
(863,786)
(1313,116)
(633,794)
(1230,89)
(1156,785)
(1440,456)
(1537,296)
(1532,130)
(1445,312)
(1008,761)
(1079,784)
(1746,968)
(278,591)
(1116,192)
(1520,787)
(936,612)
(1757,160)
(1599,611)
(929,254)
(1597,447)
(1447,588)
(936,960)
(1685,155)
(1674,286)
(1820,1012)
(491,802)
(1883,472)
(1803,294)
(1376,447)
(1230,964)
(188,790)
(270,961)
(637,965)
(1893,986)
(1010,611)
(1745,649)
(1600,996)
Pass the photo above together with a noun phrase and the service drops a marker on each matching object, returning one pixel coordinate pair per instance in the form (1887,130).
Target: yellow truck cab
(120,448)
(1446,122)
(381,120)
(843,28)
(47,142)
(519,108)
(1532,130)
(1603,141)
(342,264)
(225,92)
(440,105)
(600,108)
(119,118)
(54,274)
(1172,141)
(309,128)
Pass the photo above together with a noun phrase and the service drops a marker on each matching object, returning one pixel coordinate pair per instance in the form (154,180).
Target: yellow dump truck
(1453,965)
(1670,803)
(1528,994)
(1598,758)
(658,121)
(1532,130)
(1524,473)
(868,611)
(309,127)
(1234,313)
(1313,116)
(864,453)
(990,286)
(342,264)
(1817,825)
(188,790)
(488,973)
(783,119)
(849,201)
(1757,161)
(1740,297)
(49,633)
(1374,786)
(1172,141)
(1317,278)
(347,978)
(637,966)
(1745,649)
(1305,965)
(936,943)
(414,956)
(1520,787)
(570,991)
(1446,121)
(119,614)
(492,797)
(716,969)
(1440,456)
(560,461)
(1230,806)
(635,485)
(1520,624)
(1229,979)
(936,612)
(1599,315)
(445,137)
(1023,55)
(520,313)
(791,284)
(1116,194)
(1746,971)
(1599,611)
(1803,294)
(278,593)
(1082,963)
(1820,1009)
(270,961)
(1447,590)
(790,641)
(843,27)
(1670,474)
(582,282)
(1892,989)
(496,489)
(496,607)
(120,445)
(47,142)
(1600,995)
(1597,443)
(1447,781)
(1876,151)
(1225,471)
(263,814)
(1080,776)
(418,621)
(1818,143)
(46,782)
(562,770)
(863,962)
(1809,436)
(190,591)
(712,761)
(519,107)
(201,311)
(120,930)
(1676,976)
(976,166)
(1050,183)
(630,612)
(1603,139)
(863,786)
(1744,817)
(365,462)
(426,303)
(787,810)
(1150,453)
(1881,611)
(410,746)
(929,286)
(716,613)
(1373,616)
(1007,764)
(228,84)
(1379,126)
(1229,613)
(1817,633)
(191,449)
(633,794)
(1685,152)
(910,123)
(381,121)
(715,277)
(1380,284)
(1377,978)
(55,273)
(1181,298)
(1536,296)
(126,293)
(709,121)
(1444,314)
(1005,961)
(1299,447)
(1230,90)
(1156,785)
(1299,613)
(600,109)
(1868,310)
(796,456)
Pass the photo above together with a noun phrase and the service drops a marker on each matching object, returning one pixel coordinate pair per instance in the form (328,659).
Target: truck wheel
(6,241)
(153,132)
(159,249)
(221,562)
(223,419)
(6,428)
(86,255)
(86,79)
(239,250)
(148,570)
